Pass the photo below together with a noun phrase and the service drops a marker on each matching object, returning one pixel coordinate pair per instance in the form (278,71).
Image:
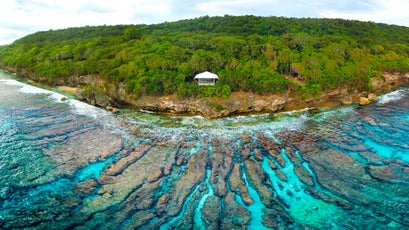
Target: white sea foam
(78,107)
(11,82)
(295,112)
(85,109)
(339,112)
(391,97)
(146,111)
(25,88)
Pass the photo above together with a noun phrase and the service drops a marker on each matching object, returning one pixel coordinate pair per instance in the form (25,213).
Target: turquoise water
(198,213)
(94,170)
(256,209)
(69,165)
(304,207)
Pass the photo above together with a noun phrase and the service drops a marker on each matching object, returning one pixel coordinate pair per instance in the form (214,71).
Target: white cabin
(206,78)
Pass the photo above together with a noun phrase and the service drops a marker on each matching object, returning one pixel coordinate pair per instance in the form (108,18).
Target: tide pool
(302,206)
(388,152)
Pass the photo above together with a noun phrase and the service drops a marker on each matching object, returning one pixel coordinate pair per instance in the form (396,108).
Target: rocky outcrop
(365,100)
(237,103)
(389,81)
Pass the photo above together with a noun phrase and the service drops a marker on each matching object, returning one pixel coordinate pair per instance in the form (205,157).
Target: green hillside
(252,54)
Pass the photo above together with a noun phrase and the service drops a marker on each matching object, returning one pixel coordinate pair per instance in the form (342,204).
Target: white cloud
(391,12)
(21,17)
(238,7)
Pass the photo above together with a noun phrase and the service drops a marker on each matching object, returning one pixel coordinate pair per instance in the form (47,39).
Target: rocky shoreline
(95,91)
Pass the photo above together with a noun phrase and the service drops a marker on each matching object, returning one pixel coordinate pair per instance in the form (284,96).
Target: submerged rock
(5,192)
(236,216)
(211,212)
(86,187)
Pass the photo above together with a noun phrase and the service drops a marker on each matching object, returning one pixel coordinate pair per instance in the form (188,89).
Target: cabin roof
(206,75)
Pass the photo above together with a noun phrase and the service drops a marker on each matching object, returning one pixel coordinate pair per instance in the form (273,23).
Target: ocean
(65,164)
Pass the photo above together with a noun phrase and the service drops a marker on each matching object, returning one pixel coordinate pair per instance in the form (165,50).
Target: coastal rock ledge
(98,92)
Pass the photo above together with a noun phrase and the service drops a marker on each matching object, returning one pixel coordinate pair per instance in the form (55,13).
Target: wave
(177,126)
(85,109)
(392,96)
(29,89)
(78,107)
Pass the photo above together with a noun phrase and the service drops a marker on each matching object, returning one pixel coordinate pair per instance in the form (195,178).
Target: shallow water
(66,164)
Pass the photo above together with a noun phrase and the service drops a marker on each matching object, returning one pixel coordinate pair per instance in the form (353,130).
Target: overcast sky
(21,17)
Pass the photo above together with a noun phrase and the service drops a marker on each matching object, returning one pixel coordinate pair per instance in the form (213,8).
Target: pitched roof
(206,75)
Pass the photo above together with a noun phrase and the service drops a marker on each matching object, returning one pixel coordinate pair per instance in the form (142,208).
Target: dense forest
(263,55)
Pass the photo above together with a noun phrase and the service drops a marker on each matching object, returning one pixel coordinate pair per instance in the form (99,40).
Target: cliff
(95,91)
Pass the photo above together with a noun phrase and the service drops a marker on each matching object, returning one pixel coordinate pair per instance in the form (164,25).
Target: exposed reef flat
(66,164)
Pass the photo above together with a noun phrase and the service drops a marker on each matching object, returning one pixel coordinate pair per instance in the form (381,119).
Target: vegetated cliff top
(235,25)
(264,55)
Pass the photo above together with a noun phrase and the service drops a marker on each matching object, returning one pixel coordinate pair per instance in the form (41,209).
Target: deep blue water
(66,164)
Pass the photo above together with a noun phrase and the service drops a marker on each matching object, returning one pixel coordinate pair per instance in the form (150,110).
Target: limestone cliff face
(105,94)
(237,103)
(96,91)
(389,81)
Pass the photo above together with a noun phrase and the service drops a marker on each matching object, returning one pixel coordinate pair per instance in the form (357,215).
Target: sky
(22,17)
